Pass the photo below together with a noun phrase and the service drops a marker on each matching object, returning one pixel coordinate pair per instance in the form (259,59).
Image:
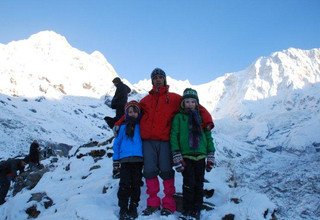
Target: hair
(134,108)
(116,80)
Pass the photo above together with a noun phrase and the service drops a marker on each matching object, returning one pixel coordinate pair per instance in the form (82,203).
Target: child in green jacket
(193,152)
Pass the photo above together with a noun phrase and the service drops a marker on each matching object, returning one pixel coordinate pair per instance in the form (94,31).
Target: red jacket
(159,108)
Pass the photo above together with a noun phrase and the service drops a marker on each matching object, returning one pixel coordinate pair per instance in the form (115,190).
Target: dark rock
(95,167)
(235,200)
(54,160)
(42,197)
(32,211)
(29,179)
(3,102)
(48,202)
(275,149)
(316,146)
(85,177)
(228,217)
(54,149)
(105,189)
(80,156)
(67,168)
(37,196)
(89,144)
(208,193)
(40,99)
(97,153)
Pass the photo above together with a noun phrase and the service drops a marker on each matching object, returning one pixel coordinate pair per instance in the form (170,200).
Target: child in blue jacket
(128,158)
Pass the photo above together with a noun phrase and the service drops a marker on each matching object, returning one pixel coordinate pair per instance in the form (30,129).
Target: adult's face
(158,81)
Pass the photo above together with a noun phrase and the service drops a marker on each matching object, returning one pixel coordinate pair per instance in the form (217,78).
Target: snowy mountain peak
(47,65)
(289,69)
(48,39)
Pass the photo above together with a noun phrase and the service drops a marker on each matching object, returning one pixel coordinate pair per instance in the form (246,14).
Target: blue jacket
(123,146)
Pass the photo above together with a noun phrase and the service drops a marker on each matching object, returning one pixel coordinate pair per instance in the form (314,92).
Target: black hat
(116,80)
(34,144)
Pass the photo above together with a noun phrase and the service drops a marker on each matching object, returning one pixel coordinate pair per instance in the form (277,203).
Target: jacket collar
(162,90)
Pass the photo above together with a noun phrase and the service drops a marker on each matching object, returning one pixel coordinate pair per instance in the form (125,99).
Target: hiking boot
(185,215)
(132,213)
(150,210)
(123,214)
(166,212)
(195,215)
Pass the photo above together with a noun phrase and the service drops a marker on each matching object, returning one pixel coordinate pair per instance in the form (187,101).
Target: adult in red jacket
(159,108)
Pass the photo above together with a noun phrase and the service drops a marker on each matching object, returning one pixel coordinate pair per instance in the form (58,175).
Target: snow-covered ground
(266,134)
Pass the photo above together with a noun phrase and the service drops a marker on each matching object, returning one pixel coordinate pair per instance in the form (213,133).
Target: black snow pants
(130,183)
(192,189)
(4,188)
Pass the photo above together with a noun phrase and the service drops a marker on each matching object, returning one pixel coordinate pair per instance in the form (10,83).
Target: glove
(210,126)
(115,130)
(210,162)
(116,169)
(178,162)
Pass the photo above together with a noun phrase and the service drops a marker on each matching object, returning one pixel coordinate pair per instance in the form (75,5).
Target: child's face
(190,103)
(132,112)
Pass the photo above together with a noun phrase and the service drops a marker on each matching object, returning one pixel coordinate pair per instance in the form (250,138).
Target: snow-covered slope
(266,119)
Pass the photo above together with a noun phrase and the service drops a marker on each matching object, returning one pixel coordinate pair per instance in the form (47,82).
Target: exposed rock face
(29,179)
(42,200)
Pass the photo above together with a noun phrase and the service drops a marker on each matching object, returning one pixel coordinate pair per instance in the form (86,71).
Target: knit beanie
(131,121)
(190,93)
(134,104)
(160,72)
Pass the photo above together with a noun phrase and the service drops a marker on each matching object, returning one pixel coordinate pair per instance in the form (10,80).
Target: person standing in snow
(159,108)
(118,101)
(33,158)
(8,173)
(127,158)
(193,152)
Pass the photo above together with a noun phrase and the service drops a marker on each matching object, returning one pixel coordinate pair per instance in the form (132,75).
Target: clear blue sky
(195,40)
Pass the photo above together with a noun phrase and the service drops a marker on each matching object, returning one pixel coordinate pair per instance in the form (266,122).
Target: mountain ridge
(266,118)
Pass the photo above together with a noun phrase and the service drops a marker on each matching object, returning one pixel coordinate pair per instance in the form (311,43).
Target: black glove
(210,162)
(116,169)
(178,162)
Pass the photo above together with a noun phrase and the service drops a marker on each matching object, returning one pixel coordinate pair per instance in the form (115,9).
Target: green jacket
(179,139)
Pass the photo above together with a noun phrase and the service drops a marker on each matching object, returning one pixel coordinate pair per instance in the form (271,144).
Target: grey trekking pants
(157,158)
